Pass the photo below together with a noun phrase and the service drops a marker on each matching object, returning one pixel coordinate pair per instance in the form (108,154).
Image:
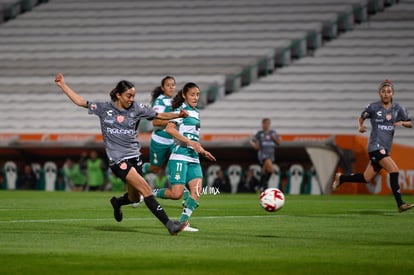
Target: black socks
(124,200)
(264,180)
(352,178)
(156,209)
(395,187)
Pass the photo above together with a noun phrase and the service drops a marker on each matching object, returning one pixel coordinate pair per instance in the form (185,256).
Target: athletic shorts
(182,172)
(262,157)
(376,156)
(159,153)
(121,169)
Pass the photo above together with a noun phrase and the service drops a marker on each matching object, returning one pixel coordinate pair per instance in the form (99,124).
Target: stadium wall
(229,149)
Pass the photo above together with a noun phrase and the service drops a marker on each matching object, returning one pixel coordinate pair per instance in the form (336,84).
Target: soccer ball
(272,199)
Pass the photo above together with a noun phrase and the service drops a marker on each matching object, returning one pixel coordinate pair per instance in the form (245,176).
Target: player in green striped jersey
(184,164)
(161,142)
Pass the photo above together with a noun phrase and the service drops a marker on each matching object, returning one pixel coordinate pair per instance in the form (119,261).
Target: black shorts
(376,156)
(121,169)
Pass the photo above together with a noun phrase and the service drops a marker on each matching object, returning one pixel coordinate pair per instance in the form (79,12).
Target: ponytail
(120,88)
(158,90)
(179,98)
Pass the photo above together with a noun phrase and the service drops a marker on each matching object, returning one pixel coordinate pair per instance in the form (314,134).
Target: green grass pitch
(75,233)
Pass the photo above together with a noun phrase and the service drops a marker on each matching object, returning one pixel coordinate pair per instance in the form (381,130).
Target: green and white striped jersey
(189,127)
(162,104)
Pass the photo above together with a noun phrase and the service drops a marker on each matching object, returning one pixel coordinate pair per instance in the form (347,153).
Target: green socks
(146,168)
(189,206)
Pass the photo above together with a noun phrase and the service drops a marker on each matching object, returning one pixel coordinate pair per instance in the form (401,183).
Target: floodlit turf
(75,233)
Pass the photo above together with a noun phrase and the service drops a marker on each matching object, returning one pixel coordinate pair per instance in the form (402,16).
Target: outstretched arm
(171,129)
(171,115)
(73,96)
(159,122)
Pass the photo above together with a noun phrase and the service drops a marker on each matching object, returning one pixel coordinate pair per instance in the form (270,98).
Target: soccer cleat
(174,227)
(188,228)
(335,185)
(155,191)
(405,206)
(136,204)
(117,209)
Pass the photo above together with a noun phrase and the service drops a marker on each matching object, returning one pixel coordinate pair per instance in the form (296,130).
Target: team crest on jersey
(123,166)
(177,176)
(382,151)
(93,107)
(388,117)
(120,119)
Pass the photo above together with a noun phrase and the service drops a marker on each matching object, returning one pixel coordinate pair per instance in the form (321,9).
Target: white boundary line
(131,219)
(274,215)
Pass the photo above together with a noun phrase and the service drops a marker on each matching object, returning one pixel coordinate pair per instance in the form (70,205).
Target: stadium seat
(257,171)
(275,178)
(37,170)
(312,186)
(234,173)
(212,173)
(295,179)
(50,176)
(10,175)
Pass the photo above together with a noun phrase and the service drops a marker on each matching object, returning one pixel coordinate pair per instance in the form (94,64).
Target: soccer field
(75,233)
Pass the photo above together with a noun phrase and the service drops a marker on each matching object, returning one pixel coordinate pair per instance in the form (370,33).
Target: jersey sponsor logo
(114,131)
(386,127)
